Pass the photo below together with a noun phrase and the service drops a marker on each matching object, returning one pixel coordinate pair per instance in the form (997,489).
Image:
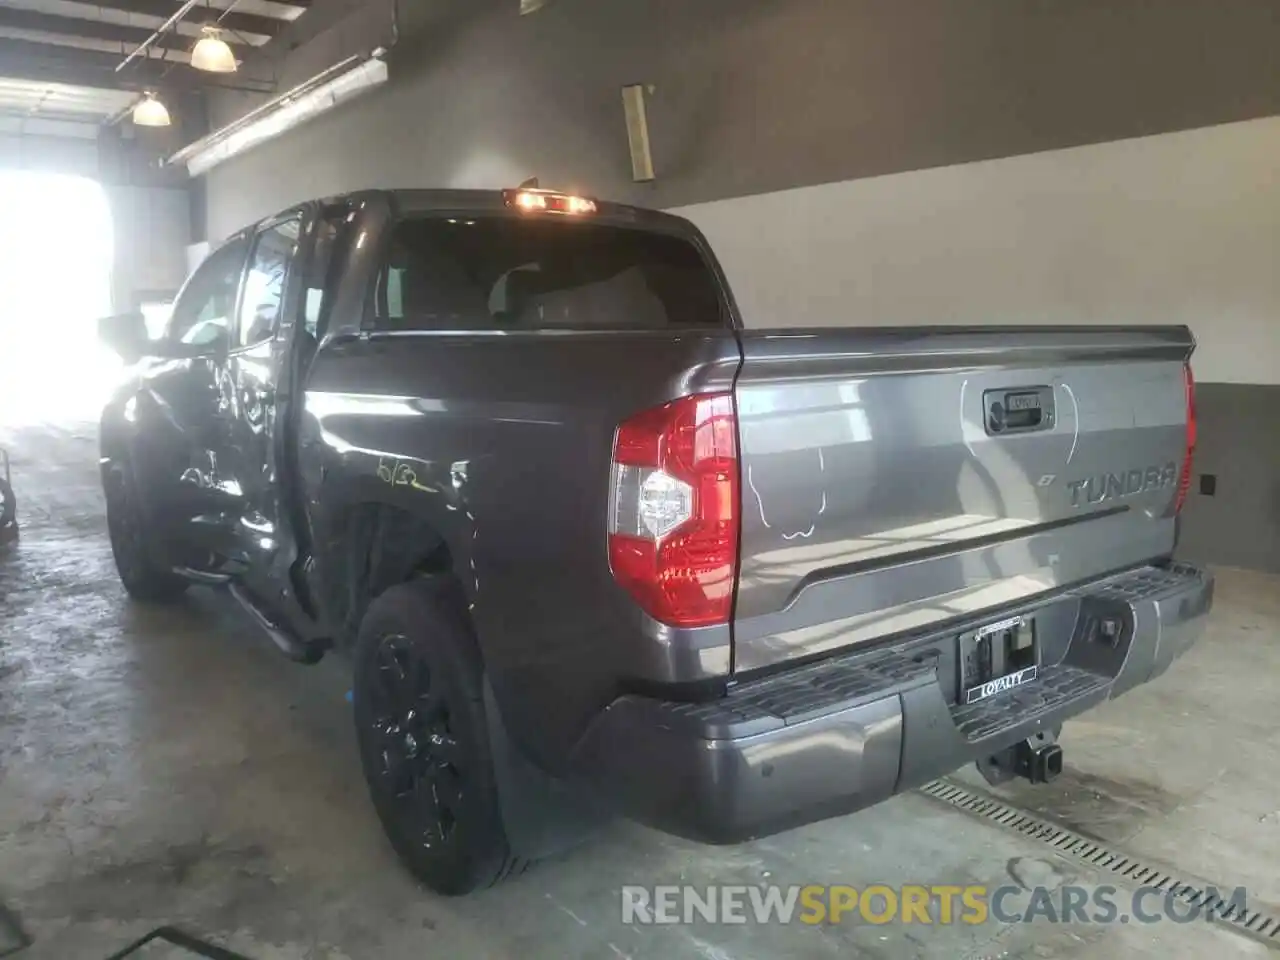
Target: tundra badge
(1126,483)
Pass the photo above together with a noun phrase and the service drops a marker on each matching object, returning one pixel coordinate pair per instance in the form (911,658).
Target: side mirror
(126,335)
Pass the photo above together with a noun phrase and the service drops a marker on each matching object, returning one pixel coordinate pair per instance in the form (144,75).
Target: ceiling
(59,58)
(42,108)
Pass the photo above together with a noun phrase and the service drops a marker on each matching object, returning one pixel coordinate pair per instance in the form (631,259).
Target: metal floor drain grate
(1264,927)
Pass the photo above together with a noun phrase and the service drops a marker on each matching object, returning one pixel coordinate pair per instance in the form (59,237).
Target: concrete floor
(166,766)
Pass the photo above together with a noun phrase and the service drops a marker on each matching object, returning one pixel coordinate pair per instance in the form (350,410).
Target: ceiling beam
(128,37)
(49,63)
(246,22)
(56,116)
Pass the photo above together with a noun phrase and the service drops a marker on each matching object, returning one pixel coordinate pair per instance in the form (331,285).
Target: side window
(203,311)
(395,292)
(333,239)
(264,282)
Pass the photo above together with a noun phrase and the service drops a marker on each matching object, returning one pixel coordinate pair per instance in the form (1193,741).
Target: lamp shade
(150,112)
(212,53)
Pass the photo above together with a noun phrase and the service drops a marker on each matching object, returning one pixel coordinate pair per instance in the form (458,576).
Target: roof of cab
(421,201)
(445,201)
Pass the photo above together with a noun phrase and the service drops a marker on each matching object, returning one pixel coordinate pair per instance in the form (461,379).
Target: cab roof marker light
(547,201)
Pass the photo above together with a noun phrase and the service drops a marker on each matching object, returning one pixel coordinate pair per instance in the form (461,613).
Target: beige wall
(1177,228)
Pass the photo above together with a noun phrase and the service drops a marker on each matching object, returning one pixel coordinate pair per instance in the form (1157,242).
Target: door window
(264,282)
(203,311)
(333,239)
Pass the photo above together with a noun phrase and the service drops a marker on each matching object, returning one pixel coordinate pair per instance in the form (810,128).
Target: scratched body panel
(877,499)
(512,469)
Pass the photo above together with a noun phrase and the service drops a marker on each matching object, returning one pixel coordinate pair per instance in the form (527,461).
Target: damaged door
(259,355)
(181,411)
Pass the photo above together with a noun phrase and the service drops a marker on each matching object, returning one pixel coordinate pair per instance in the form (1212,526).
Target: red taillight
(1184,479)
(673,509)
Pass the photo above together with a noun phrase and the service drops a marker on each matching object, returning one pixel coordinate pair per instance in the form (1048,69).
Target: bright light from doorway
(55,280)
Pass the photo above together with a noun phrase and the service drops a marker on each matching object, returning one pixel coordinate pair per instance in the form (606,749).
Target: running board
(206,577)
(291,645)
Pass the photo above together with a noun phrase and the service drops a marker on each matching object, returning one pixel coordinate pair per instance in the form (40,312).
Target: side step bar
(291,645)
(205,577)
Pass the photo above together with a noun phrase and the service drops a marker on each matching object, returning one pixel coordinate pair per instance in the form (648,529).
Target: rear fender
(371,533)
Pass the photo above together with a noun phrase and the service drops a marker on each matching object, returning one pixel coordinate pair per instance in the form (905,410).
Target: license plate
(997,657)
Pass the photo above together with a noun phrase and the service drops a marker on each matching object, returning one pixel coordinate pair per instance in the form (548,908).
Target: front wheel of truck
(131,542)
(424,745)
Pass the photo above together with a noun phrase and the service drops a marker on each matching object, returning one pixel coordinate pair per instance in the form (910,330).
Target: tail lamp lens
(673,512)
(1184,479)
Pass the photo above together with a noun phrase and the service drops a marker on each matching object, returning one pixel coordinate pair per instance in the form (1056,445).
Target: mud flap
(542,815)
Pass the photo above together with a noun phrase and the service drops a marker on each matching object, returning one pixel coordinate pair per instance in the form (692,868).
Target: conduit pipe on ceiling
(342,82)
(164,28)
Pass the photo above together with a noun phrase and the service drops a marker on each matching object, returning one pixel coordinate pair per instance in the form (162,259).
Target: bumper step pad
(801,694)
(1056,685)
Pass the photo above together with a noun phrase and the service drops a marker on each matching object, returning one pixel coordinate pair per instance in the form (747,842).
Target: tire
(131,544)
(424,744)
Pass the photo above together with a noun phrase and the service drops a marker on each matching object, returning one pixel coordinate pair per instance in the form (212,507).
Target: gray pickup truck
(594,546)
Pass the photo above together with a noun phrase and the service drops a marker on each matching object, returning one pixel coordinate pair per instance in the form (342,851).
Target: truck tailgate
(895,479)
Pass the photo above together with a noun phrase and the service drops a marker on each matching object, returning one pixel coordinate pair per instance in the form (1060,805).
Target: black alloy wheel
(423,734)
(421,761)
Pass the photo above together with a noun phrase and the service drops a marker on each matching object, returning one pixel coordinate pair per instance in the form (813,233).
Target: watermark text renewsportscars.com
(934,904)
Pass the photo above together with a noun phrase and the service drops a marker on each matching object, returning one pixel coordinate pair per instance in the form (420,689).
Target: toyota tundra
(595,544)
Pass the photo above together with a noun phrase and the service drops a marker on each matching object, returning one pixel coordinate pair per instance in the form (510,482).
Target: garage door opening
(55,272)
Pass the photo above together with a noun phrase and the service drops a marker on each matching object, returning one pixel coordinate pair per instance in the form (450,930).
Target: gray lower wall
(1239,445)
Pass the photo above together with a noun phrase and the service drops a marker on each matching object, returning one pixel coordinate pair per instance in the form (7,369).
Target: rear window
(507,273)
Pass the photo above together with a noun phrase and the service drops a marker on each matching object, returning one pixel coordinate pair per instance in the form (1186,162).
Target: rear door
(897,479)
(258,359)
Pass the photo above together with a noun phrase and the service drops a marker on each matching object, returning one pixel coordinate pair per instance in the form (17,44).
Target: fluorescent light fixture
(531,6)
(150,112)
(321,93)
(212,54)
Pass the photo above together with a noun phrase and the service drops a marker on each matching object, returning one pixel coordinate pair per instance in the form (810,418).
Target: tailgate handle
(1018,409)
